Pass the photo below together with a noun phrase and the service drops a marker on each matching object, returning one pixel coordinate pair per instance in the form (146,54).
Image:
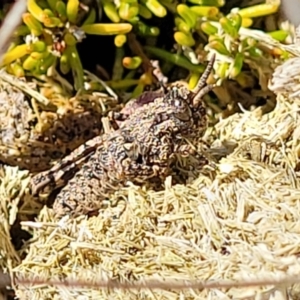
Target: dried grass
(238,222)
(13,184)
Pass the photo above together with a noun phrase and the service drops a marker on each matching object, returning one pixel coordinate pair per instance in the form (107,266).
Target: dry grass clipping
(240,222)
(13,184)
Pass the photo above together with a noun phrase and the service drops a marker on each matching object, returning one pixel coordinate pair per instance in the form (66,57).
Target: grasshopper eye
(182,110)
(177,103)
(183,115)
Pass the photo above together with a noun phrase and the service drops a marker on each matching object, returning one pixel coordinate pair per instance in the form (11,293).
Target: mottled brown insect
(143,148)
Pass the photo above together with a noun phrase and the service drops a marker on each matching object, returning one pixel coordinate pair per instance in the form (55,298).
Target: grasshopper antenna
(201,89)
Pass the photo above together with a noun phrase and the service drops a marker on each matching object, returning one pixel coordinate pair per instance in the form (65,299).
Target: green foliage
(48,37)
(51,30)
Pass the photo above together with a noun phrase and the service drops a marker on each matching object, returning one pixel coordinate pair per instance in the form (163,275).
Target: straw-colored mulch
(240,221)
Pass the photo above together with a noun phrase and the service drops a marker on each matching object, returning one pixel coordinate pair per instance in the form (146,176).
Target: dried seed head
(286,78)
